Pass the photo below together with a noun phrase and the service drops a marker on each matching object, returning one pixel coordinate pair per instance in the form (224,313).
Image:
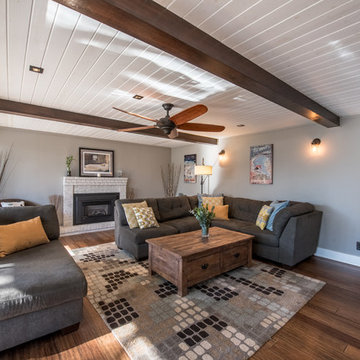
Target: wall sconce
(315,144)
(222,155)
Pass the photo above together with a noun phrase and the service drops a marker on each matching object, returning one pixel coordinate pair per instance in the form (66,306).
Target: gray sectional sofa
(41,288)
(294,237)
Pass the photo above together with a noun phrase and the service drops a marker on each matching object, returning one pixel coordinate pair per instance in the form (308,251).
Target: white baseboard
(338,256)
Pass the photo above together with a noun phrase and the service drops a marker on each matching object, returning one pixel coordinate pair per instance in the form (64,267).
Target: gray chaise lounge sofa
(294,237)
(41,288)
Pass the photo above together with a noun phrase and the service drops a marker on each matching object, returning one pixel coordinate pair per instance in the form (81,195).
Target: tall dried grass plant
(4,160)
(170,178)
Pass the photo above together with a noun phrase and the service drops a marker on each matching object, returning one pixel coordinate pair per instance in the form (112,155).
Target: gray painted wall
(329,180)
(37,163)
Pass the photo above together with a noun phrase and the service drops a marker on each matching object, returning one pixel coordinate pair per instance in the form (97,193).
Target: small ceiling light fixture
(137,97)
(315,144)
(222,155)
(36,69)
(240,125)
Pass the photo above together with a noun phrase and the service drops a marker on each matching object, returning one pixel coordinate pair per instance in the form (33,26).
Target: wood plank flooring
(328,327)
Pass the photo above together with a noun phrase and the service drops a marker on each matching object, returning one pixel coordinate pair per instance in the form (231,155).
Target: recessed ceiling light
(137,97)
(240,125)
(36,69)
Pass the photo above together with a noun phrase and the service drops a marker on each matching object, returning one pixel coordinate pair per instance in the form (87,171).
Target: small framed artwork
(261,164)
(94,162)
(189,169)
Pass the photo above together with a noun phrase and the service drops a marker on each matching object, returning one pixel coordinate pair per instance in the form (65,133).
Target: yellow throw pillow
(21,235)
(213,201)
(263,216)
(145,217)
(129,213)
(221,212)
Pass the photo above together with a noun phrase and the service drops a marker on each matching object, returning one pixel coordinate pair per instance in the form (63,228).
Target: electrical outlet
(358,245)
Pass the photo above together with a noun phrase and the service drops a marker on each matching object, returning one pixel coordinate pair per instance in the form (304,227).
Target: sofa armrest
(299,238)
(117,223)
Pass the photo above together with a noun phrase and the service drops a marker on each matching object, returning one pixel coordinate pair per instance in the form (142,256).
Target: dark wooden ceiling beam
(45,113)
(157,26)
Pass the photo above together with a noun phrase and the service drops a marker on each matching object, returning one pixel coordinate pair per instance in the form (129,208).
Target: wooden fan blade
(173,134)
(138,128)
(188,114)
(133,114)
(201,127)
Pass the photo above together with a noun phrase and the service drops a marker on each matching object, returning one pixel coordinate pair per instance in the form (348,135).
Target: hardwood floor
(328,327)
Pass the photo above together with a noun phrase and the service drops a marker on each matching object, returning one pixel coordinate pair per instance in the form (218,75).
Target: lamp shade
(203,170)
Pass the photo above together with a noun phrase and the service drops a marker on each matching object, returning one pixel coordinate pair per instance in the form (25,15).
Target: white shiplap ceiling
(90,67)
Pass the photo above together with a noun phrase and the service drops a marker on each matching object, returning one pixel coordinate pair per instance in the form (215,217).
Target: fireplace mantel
(82,185)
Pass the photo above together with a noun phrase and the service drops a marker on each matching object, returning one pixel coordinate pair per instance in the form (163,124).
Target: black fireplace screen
(93,208)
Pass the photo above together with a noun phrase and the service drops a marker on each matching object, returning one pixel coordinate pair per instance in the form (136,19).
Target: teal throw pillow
(277,207)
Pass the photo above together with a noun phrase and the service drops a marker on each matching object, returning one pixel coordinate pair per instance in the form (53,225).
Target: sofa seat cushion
(185,224)
(39,278)
(138,236)
(231,224)
(173,207)
(264,237)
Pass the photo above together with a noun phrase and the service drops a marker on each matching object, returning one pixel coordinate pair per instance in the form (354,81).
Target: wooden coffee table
(187,259)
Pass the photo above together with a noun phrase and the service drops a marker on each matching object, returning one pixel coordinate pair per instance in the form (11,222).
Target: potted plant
(204,216)
(68,161)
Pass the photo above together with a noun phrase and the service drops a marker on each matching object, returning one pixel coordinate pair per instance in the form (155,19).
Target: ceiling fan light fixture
(138,97)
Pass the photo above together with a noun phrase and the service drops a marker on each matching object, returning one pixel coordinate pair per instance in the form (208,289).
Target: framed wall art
(189,169)
(261,164)
(94,162)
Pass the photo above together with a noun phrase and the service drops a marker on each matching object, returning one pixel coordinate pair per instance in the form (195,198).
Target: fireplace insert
(94,207)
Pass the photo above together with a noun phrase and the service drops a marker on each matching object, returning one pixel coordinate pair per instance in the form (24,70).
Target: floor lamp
(204,171)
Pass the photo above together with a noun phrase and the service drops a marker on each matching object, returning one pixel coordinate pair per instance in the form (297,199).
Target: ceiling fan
(170,124)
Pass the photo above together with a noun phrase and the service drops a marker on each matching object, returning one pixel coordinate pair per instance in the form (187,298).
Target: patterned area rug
(228,317)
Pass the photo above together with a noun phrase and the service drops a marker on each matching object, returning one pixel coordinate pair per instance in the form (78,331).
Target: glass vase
(204,231)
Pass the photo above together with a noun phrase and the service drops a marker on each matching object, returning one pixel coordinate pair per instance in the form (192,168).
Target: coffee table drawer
(234,257)
(202,268)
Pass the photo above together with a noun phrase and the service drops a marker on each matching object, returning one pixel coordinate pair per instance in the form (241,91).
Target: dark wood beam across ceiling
(45,113)
(157,26)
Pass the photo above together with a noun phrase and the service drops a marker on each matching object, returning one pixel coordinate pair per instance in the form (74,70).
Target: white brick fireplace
(88,185)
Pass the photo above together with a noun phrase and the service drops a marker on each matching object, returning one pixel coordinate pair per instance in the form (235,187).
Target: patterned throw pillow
(212,201)
(129,213)
(145,217)
(263,216)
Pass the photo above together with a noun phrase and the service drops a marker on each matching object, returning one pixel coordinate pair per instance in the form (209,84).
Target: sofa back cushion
(47,214)
(193,201)
(244,209)
(173,207)
(151,202)
(283,216)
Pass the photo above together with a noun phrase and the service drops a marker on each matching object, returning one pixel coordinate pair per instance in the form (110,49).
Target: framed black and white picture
(94,162)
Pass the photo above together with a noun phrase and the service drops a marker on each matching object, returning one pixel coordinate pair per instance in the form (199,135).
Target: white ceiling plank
(4,91)
(18,21)
(105,61)
(104,36)
(42,21)
(310,32)
(64,26)
(84,32)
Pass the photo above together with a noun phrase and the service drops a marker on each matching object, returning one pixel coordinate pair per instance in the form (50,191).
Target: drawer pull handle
(204,266)
(237,255)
